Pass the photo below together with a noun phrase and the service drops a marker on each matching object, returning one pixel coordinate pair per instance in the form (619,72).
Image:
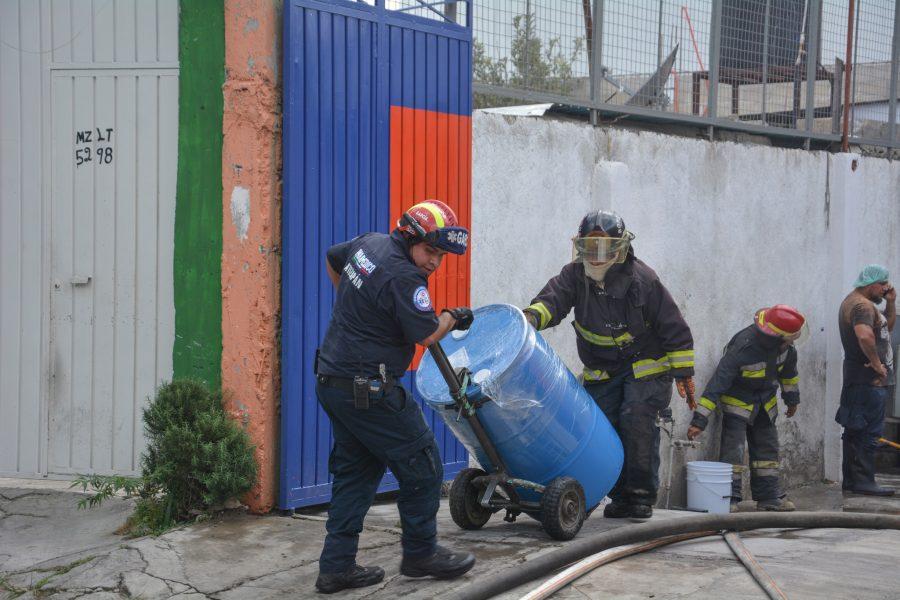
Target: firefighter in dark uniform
(632,341)
(757,360)
(382,310)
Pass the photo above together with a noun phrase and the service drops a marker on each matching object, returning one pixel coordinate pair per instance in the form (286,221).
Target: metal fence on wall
(776,67)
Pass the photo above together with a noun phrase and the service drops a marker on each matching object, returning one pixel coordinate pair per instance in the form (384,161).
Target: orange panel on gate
(431,158)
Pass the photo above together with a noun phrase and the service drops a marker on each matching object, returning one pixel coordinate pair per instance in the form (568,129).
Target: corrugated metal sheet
(21,254)
(112,314)
(377,117)
(129,33)
(75,370)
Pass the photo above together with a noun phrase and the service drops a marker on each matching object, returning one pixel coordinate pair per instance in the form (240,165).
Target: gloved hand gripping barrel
(533,428)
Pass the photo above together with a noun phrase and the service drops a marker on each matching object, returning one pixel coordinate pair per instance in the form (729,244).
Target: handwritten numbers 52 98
(86,152)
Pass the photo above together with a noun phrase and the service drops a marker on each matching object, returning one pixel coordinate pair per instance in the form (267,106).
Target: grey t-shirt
(856,310)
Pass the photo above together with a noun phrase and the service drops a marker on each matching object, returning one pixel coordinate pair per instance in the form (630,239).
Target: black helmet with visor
(602,238)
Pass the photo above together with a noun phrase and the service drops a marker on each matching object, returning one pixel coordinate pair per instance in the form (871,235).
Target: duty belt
(369,386)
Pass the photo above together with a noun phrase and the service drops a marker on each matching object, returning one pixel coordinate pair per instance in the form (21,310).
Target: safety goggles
(601,249)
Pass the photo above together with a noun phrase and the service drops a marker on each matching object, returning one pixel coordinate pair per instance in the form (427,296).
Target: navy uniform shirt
(381,310)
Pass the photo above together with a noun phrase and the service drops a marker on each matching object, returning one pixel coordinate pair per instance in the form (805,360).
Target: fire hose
(582,568)
(632,534)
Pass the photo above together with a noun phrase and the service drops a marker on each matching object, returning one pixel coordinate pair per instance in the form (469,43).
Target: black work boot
(443,564)
(870,488)
(617,510)
(354,577)
(847,469)
(863,468)
(641,512)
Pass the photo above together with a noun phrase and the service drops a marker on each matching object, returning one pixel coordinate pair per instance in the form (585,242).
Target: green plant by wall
(195,452)
(196,459)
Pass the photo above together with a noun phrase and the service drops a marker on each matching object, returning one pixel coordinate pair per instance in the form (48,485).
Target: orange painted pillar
(251,203)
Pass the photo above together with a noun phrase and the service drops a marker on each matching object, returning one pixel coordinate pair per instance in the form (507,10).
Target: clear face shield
(601,250)
(799,338)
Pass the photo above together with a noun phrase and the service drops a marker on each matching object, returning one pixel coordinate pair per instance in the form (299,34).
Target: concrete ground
(48,548)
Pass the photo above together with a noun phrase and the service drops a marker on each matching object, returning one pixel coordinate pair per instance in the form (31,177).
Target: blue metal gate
(377,116)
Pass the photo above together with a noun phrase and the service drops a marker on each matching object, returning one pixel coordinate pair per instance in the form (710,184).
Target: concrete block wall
(728,227)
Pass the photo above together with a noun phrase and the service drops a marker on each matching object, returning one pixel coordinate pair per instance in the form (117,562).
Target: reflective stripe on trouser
(632,405)
(761,437)
(391,433)
(771,407)
(764,468)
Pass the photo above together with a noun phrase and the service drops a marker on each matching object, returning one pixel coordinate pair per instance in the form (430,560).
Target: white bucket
(709,486)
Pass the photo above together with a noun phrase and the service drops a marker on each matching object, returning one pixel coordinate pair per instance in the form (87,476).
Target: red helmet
(781,321)
(434,223)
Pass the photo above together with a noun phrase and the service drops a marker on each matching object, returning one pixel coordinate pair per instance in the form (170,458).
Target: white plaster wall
(728,227)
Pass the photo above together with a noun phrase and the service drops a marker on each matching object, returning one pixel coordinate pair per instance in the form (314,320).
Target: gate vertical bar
(715,47)
(529,22)
(659,35)
(837,95)
(895,67)
(812,60)
(596,59)
(765,65)
(848,73)
(855,75)
(450,11)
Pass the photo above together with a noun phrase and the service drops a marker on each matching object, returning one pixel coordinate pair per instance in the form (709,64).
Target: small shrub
(195,453)
(196,459)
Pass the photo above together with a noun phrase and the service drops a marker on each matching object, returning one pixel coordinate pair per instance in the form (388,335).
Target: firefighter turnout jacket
(630,323)
(748,376)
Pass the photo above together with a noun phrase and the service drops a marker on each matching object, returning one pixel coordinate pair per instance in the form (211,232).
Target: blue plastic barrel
(541,420)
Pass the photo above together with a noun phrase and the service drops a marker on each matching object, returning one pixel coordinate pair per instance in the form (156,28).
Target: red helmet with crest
(781,321)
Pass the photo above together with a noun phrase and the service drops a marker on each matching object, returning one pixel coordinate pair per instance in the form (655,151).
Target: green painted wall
(198,214)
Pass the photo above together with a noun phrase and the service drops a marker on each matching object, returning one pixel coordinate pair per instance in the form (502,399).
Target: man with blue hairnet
(868,375)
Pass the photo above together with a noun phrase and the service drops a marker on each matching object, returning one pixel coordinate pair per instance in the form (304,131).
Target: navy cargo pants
(631,406)
(759,434)
(391,433)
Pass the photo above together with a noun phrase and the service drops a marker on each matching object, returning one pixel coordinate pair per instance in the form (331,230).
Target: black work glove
(463,316)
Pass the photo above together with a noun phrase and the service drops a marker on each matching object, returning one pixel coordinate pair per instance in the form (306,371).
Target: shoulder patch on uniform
(421,298)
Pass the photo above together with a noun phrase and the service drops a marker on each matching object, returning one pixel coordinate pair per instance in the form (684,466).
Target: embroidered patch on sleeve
(421,299)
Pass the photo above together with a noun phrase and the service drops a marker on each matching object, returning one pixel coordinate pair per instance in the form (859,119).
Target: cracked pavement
(49,549)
